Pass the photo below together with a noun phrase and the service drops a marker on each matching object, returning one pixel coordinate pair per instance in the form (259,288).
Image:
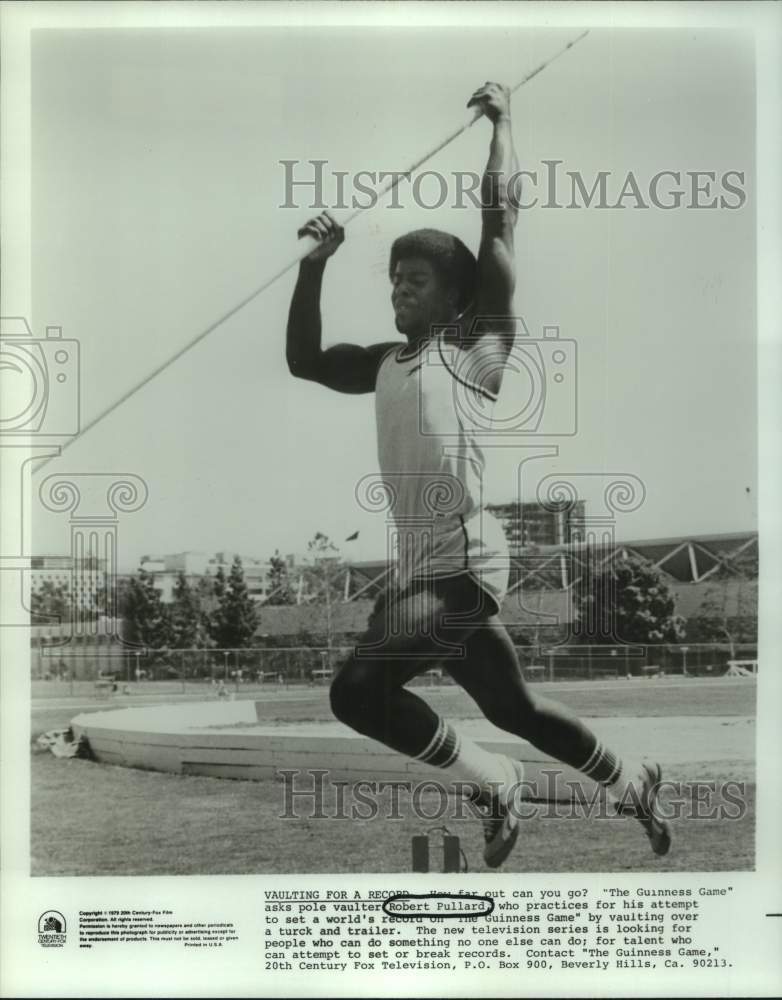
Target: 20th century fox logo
(51,929)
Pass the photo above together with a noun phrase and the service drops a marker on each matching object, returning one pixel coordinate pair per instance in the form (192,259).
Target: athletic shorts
(473,545)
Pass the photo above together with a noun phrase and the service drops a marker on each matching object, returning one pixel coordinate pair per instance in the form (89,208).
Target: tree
(743,564)
(321,577)
(279,586)
(321,574)
(625,600)
(728,613)
(205,595)
(51,601)
(146,620)
(234,621)
(112,597)
(187,626)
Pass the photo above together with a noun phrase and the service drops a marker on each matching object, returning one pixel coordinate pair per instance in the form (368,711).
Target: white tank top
(429,416)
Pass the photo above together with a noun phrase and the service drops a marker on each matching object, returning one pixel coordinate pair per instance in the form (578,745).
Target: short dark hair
(450,258)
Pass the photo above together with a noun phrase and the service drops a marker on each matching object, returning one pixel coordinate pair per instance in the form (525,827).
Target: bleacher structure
(683,561)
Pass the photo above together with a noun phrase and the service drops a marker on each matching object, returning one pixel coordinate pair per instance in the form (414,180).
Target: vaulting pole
(304,247)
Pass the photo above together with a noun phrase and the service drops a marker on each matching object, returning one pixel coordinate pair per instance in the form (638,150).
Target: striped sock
(604,767)
(492,773)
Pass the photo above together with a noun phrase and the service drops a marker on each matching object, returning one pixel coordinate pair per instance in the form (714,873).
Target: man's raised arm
(496,266)
(343,367)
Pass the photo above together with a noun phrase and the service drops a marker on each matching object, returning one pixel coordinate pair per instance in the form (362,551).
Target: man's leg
(492,676)
(368,691)
(412,634)
(368,694)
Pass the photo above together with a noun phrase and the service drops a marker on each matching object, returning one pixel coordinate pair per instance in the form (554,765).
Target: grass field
(95,819)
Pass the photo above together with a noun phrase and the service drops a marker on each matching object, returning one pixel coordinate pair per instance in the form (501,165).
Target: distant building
(83,579)
(198,566)
(527,524)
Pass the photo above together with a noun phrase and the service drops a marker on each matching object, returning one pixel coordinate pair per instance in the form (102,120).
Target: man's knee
(355,695)
(341,696)
(514,710)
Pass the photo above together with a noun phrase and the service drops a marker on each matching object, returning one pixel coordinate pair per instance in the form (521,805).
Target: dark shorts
(463,594)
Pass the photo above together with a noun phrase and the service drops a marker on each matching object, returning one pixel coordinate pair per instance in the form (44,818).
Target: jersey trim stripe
(468,383)
(400,356)
(466,541)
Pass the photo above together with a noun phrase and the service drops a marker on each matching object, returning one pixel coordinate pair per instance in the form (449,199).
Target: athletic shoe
(501,825)
(657,829)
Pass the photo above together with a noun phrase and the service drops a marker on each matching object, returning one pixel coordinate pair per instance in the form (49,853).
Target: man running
(433,396)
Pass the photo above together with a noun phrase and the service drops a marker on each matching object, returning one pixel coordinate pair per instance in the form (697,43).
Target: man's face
(419,298)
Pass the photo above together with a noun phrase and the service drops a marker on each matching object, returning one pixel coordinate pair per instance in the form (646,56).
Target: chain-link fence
(594,663)
(259,666)
(242,669)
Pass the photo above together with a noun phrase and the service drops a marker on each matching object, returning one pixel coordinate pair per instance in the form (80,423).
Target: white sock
(622,779)
(467,763)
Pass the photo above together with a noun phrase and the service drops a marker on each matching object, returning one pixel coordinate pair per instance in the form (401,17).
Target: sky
(156,194)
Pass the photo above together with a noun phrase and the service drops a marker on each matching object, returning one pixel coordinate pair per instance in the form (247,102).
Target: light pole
(327,568)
